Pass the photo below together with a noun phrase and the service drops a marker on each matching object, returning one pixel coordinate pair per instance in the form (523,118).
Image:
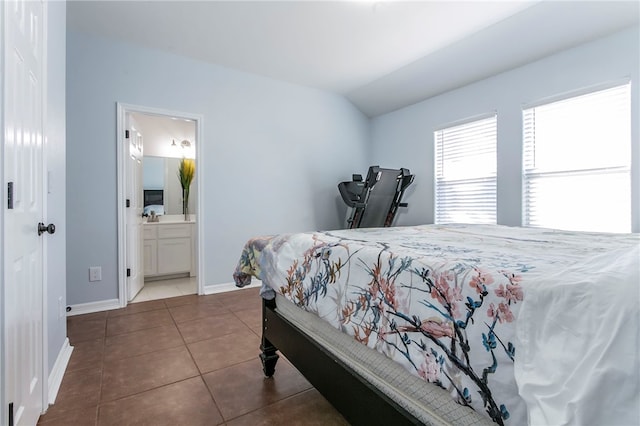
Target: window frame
(528,174)
(437,163)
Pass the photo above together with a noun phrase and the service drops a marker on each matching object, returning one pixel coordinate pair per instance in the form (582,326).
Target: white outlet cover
(95,273)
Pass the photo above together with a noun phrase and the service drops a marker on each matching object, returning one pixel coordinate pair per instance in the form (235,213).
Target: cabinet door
(150,232)
(174,255)
(150,257)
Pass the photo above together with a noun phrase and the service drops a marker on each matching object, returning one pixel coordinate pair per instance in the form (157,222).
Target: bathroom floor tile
(159,293)
(162,289)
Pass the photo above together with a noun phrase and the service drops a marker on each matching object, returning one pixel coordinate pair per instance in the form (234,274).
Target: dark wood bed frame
(356,399)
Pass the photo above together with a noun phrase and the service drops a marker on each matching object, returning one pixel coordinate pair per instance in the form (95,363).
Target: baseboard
(225,287)
(57,372)
(107,305)
(152,278)
(91,307)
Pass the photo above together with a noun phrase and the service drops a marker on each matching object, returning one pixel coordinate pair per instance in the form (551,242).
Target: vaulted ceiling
(382,55)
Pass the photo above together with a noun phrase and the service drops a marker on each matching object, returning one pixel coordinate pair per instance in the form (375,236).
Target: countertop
(172,219)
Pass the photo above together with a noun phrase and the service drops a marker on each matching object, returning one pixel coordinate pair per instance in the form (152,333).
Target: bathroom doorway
(159,244)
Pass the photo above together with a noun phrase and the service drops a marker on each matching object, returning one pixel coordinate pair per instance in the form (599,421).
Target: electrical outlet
(60,308)
(95,273)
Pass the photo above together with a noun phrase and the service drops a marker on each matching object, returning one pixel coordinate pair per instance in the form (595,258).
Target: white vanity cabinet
(150,248)
(168,248)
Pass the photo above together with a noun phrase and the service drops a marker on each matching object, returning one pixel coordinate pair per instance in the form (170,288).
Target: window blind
(577,162)
(465,171)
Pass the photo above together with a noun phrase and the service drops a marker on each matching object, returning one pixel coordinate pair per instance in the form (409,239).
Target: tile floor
(188,360)
(162,289)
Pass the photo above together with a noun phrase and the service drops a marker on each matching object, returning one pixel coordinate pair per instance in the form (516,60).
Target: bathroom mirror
(161,185)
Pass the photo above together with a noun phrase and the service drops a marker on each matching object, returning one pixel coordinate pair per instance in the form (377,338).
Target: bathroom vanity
(169,247)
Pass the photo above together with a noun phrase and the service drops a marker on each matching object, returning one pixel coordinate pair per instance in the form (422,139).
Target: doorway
(159,236)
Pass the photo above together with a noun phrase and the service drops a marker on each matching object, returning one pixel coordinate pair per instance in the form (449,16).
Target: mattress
(426,402)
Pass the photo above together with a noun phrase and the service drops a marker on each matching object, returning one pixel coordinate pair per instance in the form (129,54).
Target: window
(466,172)
(577,158)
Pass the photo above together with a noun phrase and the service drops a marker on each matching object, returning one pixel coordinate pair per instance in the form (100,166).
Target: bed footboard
(357,400)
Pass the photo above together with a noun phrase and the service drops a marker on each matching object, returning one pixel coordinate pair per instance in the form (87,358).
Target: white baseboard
(57,372)
(225,287)
(107,305)
(91,307)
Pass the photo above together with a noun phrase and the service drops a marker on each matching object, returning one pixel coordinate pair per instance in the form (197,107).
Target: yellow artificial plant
(186,171)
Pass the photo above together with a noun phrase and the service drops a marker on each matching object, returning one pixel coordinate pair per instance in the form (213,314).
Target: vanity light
(184,144)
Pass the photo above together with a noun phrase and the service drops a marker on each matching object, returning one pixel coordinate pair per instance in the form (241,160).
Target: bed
(457,324)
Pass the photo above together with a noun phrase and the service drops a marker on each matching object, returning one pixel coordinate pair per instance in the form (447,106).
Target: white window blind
(577,158)
(466,172)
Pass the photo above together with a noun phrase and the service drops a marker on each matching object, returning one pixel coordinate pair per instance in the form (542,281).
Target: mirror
(161,185)
(166,141)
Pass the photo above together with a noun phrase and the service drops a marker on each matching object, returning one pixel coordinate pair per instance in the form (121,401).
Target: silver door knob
(42,228)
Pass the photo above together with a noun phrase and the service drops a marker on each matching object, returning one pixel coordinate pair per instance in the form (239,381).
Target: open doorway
(159,232)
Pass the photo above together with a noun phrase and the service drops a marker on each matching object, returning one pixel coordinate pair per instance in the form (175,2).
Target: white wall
(153,170)
(55,202)
(404,138)
(272,153)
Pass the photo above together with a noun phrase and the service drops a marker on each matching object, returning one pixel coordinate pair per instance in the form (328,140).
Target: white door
(23,247)
(135,253)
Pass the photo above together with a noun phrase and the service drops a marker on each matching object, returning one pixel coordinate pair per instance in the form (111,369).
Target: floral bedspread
(443,301)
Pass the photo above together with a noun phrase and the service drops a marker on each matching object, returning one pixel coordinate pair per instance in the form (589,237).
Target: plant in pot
(186,171)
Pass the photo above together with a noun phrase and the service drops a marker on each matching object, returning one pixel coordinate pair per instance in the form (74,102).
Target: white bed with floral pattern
(525,325)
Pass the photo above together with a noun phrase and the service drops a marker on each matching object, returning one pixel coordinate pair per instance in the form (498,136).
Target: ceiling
(382,55)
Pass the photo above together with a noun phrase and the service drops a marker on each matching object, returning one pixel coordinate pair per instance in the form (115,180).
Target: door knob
(42,228)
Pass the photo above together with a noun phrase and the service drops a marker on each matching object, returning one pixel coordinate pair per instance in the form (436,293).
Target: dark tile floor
(189,360)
